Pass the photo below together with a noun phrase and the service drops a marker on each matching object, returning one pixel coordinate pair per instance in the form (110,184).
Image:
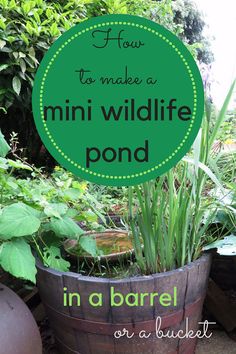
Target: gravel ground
(219,343)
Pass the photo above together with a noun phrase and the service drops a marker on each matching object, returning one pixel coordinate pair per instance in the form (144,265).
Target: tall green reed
(168,215)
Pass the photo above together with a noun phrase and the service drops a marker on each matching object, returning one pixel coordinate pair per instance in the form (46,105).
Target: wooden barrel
(85,329)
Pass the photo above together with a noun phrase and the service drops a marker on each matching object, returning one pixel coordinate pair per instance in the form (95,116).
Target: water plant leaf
(225,247)
(16,258)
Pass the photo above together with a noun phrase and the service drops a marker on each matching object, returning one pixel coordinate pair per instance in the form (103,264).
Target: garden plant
(73,238)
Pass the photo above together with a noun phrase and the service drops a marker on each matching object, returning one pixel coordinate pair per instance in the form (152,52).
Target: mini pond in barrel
(114,248)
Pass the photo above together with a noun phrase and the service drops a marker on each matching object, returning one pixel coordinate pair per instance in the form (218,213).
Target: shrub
(27,30)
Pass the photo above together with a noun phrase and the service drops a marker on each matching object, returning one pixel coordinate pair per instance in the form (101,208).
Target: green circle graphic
(118,100)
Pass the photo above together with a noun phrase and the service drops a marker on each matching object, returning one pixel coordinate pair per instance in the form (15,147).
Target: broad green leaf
(17,259)
(4,147)
(64,227)
(16,84)
(53,259)
(88,243)
(18,220)
(55,209)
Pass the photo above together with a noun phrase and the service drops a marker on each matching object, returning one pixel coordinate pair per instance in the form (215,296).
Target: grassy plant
(168,215)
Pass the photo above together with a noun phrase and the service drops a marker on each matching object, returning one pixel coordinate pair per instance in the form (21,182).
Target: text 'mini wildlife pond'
(118,100)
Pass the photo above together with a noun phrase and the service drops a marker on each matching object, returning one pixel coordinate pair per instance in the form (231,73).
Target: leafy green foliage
(35,215)
(27,30)
(29,27)
(173,213)
(38,212)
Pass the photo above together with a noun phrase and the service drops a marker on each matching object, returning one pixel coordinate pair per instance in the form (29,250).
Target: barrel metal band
(186,347)
(103,328)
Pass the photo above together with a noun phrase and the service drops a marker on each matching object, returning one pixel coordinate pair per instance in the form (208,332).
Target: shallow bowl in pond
(111,244)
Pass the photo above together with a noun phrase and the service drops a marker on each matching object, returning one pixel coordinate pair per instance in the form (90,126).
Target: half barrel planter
(90,330)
